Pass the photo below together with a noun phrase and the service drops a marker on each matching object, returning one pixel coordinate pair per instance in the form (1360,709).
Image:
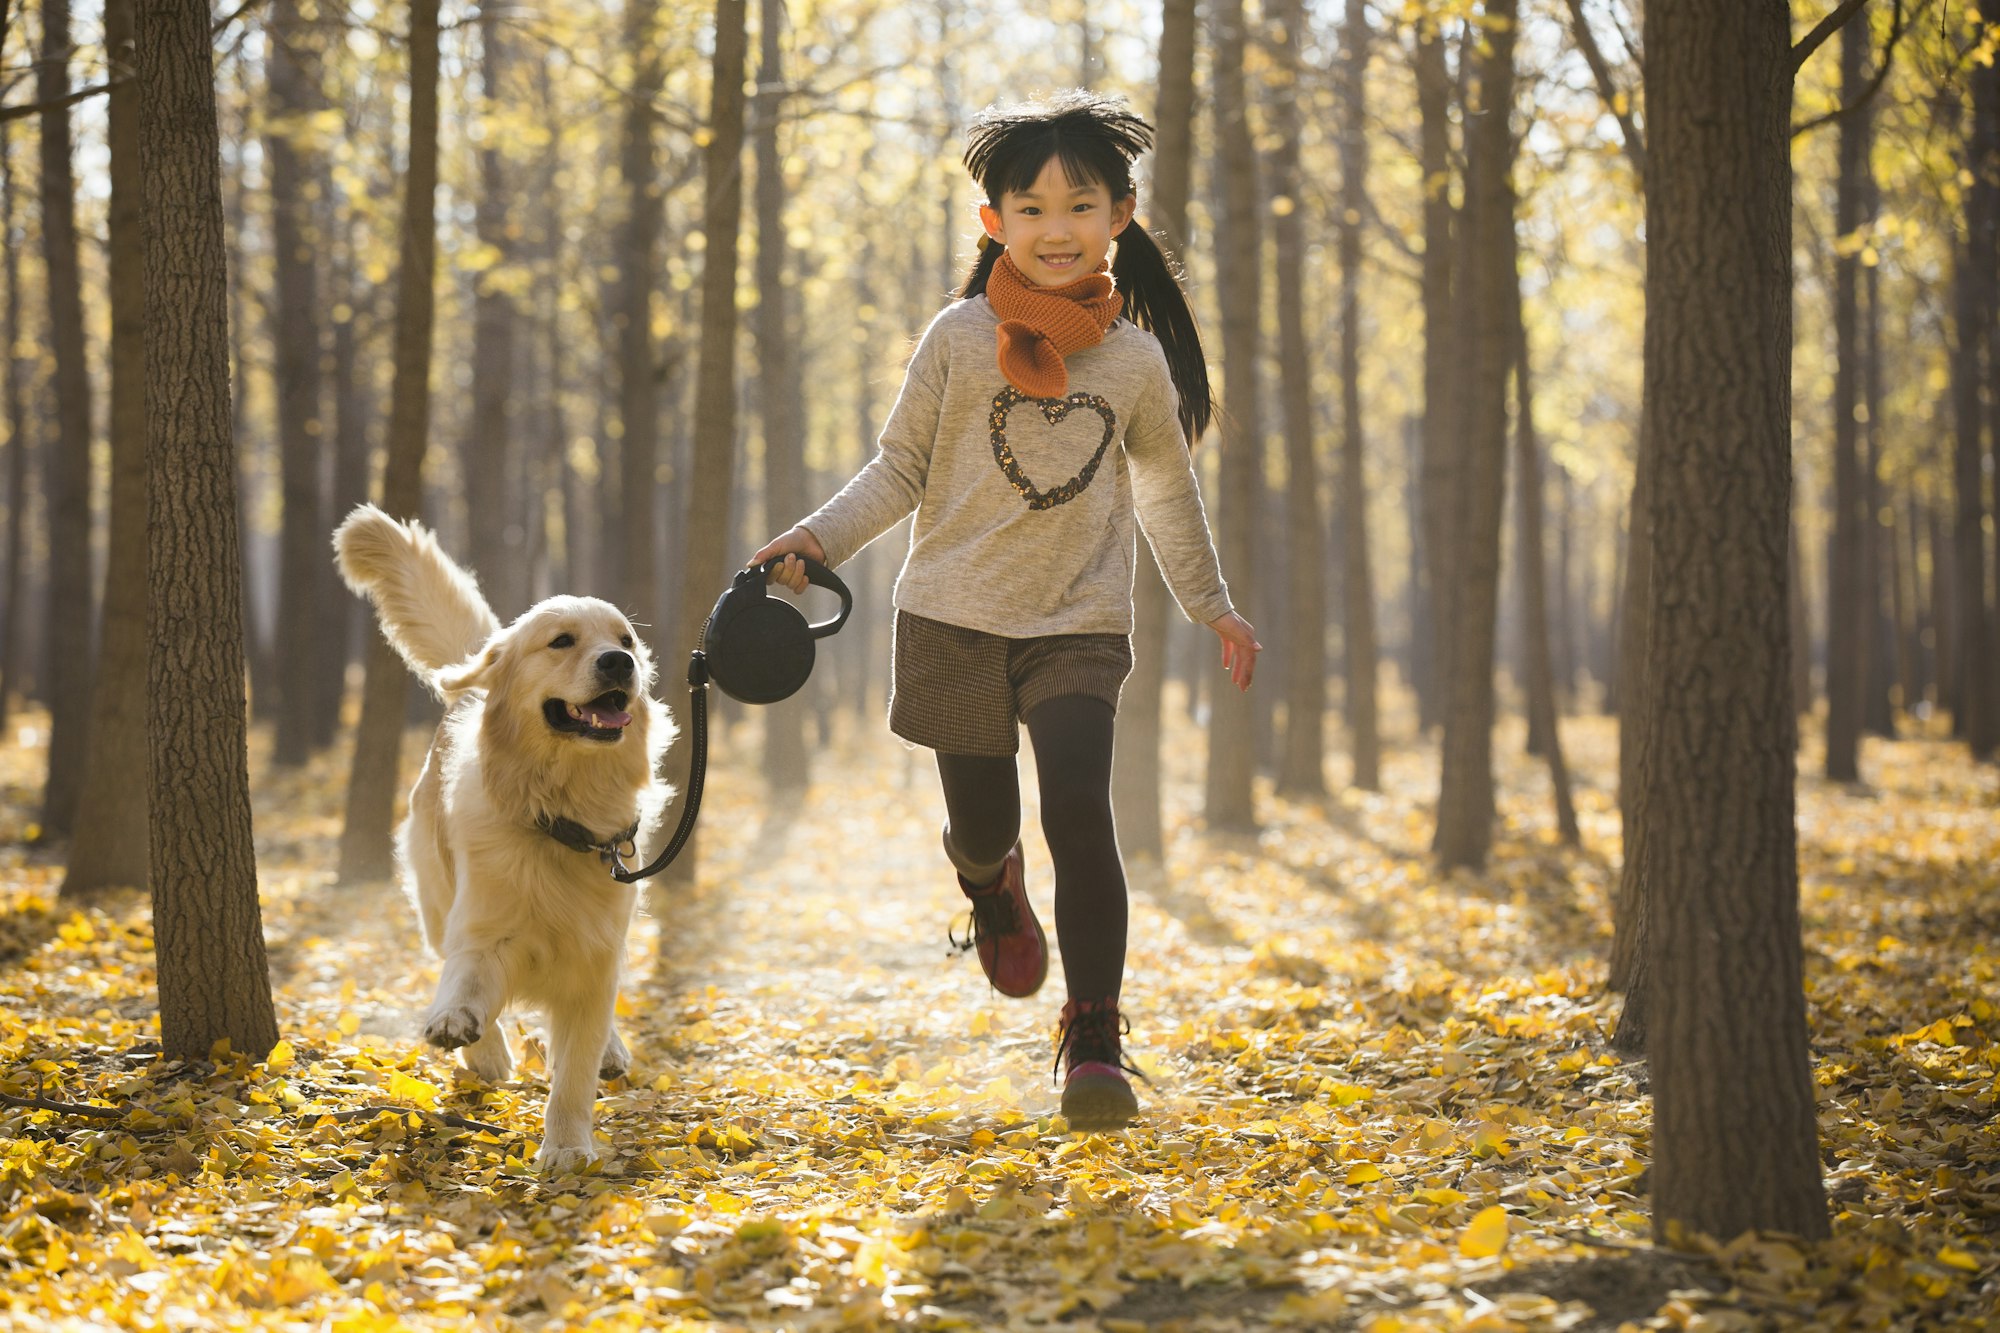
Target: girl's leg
(1072,739)
(982,802)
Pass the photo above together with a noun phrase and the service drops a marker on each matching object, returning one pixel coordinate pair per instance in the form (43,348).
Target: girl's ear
(1122,211)
(989,218)
(475,673)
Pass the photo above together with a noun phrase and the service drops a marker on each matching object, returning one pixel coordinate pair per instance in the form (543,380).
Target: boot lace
(993,917)
(1090,1034)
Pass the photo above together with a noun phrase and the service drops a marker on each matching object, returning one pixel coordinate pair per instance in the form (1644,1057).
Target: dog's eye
(625,640)
(563,641)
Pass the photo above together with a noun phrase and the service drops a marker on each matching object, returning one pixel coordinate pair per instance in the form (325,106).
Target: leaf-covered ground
(1378,1099)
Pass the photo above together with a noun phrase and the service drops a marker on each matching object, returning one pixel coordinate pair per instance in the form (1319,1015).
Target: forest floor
(1377,1098)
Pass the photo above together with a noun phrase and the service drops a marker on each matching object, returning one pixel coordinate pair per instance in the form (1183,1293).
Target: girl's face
(1057,232)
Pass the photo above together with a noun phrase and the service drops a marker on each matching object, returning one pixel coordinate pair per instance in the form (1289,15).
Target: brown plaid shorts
(963,691)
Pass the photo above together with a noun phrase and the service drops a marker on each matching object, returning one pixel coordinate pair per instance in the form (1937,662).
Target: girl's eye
(563,641)
(625,639)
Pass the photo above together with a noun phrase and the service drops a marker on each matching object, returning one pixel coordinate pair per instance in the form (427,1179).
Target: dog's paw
(617,1061)
(449,1029)
(489,1058)
(557,1159)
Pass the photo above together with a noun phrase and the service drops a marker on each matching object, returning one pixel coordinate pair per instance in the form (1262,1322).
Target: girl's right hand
(791,543)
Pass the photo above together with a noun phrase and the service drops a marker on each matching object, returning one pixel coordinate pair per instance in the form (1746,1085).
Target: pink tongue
(602,717)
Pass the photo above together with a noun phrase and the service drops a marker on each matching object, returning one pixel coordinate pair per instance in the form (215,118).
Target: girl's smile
(1057,231)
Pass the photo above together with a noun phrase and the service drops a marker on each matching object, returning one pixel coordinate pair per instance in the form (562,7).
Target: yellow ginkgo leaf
(1361,1173)
(1486,1235)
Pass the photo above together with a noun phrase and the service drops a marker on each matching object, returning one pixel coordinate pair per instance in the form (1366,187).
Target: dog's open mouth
(602,719)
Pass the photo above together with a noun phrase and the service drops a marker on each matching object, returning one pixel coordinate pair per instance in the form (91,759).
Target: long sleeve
(889,488)
(1168,501)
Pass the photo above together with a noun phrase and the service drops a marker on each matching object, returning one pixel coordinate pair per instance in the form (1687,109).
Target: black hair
(1096,138)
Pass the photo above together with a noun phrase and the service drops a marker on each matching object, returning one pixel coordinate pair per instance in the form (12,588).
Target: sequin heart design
(1053,410)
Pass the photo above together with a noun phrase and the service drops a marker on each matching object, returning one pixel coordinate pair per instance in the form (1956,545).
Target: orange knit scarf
(1039,326)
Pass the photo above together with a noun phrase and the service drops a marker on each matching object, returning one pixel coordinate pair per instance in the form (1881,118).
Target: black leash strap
(698,769)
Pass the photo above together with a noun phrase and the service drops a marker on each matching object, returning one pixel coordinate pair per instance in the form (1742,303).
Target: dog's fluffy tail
(431,609)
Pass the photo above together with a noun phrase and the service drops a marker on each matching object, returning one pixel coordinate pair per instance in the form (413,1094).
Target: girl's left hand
(1239,647)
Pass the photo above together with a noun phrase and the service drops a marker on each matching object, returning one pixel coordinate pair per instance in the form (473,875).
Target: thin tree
(632,306)
(112,805)
(491,449)
(1301,765)
(786,765)
(1135,762)
(1441,369)
(1358,586)
(1976,694)
(1848,607)
(12,373)
(366,850)
(66,626)
(1465,792)
(207,929)
(705,557)
(294,97)
(1534,578)
(1231,735)
(1735,1141)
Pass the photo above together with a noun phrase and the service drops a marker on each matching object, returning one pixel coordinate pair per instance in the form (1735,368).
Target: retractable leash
(759,649)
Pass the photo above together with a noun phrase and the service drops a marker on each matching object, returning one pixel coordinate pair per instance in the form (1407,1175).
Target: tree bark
(1735,1141)
(344,621)
(1302,761)
(706,556)
(1441,368)
(1534,581)
(1358,584)
(12,373)
(786,765)
(1848,619)
(294,97)
(1465,792)
(1135,760)
(638,392)
(113,801)
(1985,80)
(1974,294)
(207,928)
(366,841)
(1231,736)
(491,448)
(66,625)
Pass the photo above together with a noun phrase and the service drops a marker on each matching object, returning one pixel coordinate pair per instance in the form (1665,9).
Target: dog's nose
(615,665)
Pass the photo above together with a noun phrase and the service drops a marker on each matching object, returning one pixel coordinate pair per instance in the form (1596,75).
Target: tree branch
(1600,70)
(1866,95)
(1825,28)
(63,1108)
(68,99)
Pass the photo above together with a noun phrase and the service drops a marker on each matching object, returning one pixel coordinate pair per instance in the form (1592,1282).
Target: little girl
(1032,422)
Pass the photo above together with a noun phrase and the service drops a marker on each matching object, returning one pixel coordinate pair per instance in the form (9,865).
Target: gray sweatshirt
(1025,506)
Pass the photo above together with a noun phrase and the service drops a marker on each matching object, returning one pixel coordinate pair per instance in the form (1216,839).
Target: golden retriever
(547,756)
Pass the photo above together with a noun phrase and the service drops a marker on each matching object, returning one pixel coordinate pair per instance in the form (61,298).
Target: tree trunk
(1420,657)
(491,450)
(785,757)
(1358,599)
(207,928)
(706,556)
(295,96)
(1301,768)
(12,373)
(1635,631)
(1974,294)
(1847,602)
(66,625)
(366,841)
(1735,1141)
(113,802)
(1231,737)
(1465,792)
(1441,368)
(1985,80)
(638,391)
(344,622)
(1135,760)
(1534,582)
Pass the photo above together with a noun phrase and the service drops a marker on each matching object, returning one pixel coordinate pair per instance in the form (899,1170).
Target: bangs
(1094,137)
(1015,169)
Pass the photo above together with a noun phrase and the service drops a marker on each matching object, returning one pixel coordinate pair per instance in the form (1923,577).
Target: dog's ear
(475,673)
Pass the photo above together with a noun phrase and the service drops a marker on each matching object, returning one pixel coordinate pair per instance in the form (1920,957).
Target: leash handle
(698,769)
(820,577)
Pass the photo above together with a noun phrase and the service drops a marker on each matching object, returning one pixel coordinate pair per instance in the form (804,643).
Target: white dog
(545,761)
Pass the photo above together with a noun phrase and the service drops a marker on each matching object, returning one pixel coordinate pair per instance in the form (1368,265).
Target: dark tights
(982,797)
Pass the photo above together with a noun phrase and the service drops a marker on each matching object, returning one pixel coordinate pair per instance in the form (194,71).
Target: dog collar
(612,851)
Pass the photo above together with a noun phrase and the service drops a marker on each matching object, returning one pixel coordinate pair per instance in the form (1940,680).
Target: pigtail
(982,268)
(1147,279)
